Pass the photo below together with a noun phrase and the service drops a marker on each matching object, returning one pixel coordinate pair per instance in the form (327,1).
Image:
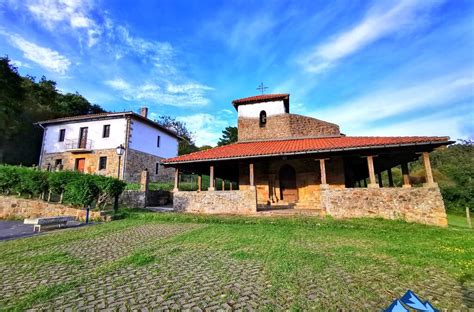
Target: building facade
(284,160)
(89,143)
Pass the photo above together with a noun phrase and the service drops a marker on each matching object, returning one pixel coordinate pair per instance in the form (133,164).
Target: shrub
(32,182)
(9,178)
(108,188)
(58,180)
(82,191)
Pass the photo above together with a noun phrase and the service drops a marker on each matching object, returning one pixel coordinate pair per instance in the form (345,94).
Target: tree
(186,143)
(25,101)
(205,147)
(229,136)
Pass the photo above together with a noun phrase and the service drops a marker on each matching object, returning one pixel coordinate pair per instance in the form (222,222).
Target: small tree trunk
(61,198)
(49,196)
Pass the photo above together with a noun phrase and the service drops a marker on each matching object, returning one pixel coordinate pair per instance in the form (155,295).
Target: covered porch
(317,181)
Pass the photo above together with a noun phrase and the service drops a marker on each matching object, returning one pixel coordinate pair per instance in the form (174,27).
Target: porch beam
(379,177)
(322,169)
(390,177)
(176,180)
(211,179)
(406,175)
(370,165)
(428,171)
(251,176)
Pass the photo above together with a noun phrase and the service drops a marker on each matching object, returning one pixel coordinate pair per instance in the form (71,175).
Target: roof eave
(309,152)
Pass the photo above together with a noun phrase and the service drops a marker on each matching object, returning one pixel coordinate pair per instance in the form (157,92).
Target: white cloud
(75,14)
(207,128)
(378,23)
(45,57)
(184,95)
(398,100)
(118,84)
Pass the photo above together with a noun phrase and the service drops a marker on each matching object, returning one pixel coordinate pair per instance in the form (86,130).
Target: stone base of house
(242,202)
(131,165)
(137,161)
(421,204)
(15,207)
(91,158)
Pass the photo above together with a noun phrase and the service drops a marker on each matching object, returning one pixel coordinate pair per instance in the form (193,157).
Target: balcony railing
(78,145)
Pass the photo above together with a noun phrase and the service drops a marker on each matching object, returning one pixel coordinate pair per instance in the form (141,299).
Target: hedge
(73,187)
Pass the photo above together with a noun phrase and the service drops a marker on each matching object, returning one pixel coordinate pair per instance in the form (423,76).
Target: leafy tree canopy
(229,135)
(24,101)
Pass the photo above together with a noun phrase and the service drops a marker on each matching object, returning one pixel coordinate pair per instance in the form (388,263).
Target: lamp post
(120,151)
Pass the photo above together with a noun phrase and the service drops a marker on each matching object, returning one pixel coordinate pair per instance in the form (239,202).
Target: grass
(456,220)
(293,252)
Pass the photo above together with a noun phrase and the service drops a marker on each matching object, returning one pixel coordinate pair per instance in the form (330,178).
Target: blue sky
(375,68)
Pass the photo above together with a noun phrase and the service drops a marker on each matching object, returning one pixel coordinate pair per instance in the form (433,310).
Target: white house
(90,143)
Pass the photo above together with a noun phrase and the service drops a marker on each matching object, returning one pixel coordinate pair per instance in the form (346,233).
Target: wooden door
(288,190)
(83,138)
(80,164)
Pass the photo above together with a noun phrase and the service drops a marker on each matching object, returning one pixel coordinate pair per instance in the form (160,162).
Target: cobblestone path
(206,277)
(66,262)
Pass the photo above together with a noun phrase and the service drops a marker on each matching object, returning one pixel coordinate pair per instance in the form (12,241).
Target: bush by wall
(73,187)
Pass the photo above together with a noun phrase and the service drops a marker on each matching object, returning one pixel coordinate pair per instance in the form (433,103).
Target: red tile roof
(261,98)
(301,146)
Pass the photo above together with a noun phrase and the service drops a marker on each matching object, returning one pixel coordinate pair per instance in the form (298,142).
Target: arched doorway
(288,190)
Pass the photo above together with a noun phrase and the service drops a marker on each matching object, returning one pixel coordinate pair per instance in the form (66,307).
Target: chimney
(144,111)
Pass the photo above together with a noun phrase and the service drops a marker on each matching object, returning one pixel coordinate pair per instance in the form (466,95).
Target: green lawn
(297,263)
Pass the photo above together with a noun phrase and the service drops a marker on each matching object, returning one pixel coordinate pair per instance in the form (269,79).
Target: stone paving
(202,278)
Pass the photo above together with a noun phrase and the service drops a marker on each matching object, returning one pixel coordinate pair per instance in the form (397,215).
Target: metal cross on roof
(262,88)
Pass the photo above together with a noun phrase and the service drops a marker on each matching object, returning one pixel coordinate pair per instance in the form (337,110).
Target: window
(62,134)
(158,141)
(157,168)
(263,118)
(102,163)
(58,164)
(106,131)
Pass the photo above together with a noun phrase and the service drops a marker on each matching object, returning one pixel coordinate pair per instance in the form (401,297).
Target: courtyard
(168,261)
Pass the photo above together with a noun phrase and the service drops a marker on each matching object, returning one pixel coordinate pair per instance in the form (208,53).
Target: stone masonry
(285,126)
(216,202)
(417,204)
(14,207)
(91,161)
(138,161)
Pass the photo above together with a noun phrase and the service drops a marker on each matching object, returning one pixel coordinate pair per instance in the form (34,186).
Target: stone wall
(216,202)
(139,199)
(137,161)
(285,126)
(14,207)
(91,161)
(418,204)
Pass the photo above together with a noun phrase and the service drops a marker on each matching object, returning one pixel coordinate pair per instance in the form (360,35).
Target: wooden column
(251,176)
(211,179)
(379,177)
(370,164)
(322,169)
(390,177)
(176,180)
(428,171)
(199,183)
(406,175)
(223,184)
